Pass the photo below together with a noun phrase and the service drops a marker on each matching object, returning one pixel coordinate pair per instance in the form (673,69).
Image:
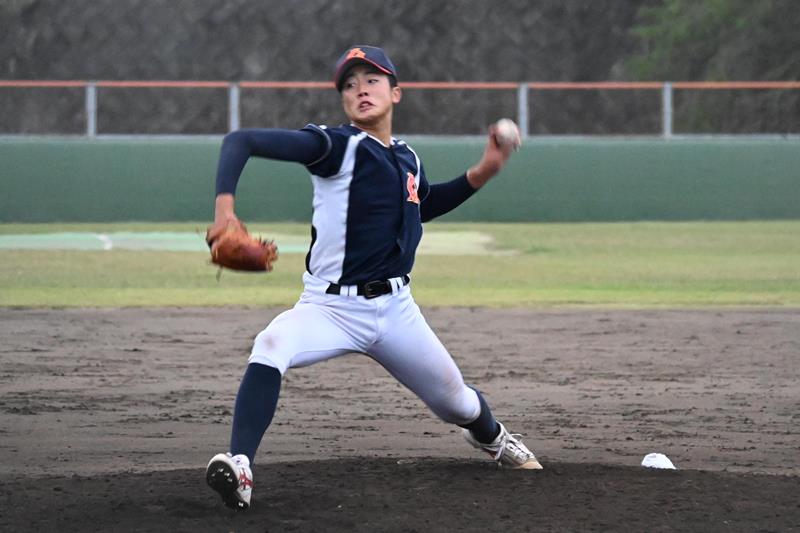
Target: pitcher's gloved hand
(233,247)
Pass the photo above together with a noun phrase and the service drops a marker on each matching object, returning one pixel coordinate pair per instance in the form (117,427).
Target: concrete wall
(58,179)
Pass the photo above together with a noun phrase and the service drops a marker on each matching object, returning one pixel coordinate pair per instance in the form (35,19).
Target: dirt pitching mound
(411,495)
(108,417)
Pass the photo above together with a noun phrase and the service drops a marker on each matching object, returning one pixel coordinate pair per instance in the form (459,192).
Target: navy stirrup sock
(255,406)
(484,428)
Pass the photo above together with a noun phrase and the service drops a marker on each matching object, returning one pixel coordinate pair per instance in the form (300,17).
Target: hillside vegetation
(513,40)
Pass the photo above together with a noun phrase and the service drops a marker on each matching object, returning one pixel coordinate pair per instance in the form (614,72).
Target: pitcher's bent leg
(413,354)
(285,343)
(301,336)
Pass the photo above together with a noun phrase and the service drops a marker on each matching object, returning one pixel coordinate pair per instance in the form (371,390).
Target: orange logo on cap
(356,52)
(411,185)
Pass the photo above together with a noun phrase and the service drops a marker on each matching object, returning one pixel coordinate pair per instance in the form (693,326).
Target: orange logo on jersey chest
(411,185)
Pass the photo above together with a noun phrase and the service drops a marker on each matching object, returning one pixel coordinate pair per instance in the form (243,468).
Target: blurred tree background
(470,40)
(723,40)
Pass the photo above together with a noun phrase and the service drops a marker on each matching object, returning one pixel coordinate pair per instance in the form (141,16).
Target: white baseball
(507,133)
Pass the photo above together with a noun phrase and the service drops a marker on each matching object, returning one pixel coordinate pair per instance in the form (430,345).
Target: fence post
(666,109)
(522,109)
(91,110)
(233,107)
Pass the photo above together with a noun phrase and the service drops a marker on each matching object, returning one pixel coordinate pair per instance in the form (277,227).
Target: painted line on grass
(433,242)
(108,244)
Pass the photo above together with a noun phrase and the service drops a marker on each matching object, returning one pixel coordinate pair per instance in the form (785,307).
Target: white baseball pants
(389,328)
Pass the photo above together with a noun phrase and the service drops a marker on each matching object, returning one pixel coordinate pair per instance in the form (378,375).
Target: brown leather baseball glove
(233,247)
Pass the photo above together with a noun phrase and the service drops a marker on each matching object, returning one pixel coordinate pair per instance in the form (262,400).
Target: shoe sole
(533,464)
(221,477)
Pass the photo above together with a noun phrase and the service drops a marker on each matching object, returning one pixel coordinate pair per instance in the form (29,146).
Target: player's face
(367,96)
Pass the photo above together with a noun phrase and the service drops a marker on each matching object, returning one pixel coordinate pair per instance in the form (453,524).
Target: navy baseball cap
(370,55)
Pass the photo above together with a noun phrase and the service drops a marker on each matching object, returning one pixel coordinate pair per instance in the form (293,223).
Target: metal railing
(523,90)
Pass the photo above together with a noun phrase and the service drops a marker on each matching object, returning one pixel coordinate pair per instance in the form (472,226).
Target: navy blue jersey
(369,199)
(366,223)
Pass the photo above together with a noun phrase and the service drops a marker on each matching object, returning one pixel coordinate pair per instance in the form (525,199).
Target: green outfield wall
(81,180)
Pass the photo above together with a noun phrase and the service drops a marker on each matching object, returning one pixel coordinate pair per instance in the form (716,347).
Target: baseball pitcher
(370,199)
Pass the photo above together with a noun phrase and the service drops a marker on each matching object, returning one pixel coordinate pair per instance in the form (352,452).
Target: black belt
(370,289)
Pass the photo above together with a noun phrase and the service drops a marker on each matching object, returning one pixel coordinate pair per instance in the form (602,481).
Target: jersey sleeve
(424,187)
(444,197)
(303,146)
(329,163)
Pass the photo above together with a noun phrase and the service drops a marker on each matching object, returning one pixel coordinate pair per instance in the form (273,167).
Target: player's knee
(268,360)
(460,407)
(265,351)
(267,341)
(457,416)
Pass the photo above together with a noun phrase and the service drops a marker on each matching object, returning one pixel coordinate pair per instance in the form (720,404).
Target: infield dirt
(108,417)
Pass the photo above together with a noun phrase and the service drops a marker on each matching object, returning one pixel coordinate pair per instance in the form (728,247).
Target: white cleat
(232,478)
(507,449)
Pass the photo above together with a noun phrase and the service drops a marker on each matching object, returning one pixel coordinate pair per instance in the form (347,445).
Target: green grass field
(613,264)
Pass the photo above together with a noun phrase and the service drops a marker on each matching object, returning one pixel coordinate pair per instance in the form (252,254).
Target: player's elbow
(240,141)
(236,138)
